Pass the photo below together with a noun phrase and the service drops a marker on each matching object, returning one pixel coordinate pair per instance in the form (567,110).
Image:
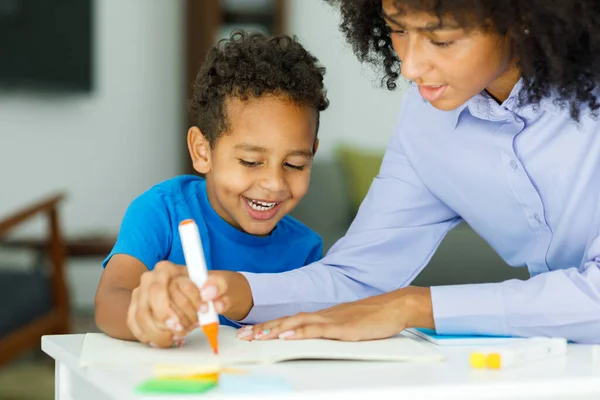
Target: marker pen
(196,265)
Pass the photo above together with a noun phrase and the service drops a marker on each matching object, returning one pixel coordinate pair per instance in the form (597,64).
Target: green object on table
(174,386)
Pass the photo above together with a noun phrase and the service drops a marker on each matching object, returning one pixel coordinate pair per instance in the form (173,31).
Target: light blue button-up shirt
(527,179)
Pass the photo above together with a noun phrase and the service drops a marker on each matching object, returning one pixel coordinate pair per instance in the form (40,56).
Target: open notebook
(99,349)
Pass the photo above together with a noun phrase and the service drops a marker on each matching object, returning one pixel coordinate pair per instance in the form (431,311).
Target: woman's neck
(500,88)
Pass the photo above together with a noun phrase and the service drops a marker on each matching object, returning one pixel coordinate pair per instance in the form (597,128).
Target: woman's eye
(441,44)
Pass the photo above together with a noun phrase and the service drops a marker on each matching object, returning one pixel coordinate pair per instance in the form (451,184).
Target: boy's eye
(400,32)
(249,164)
(298,167)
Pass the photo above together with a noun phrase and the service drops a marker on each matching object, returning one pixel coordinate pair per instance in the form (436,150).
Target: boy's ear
(199,149)
(315,146)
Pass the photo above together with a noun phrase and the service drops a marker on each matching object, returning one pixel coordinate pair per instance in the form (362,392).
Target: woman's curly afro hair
(251,65)
(557,41)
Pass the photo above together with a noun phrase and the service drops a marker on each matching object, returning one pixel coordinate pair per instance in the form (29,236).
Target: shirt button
(537,218)
(513,164)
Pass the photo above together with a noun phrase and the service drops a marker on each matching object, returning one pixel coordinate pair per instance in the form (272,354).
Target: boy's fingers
(161,339)
(190,290)
(137,332)
(165,270)
(163,273)
(214,287)
(150,308)
(156,283)
(223,304)
(188,314)
(156,298)
(153,311)
(184,324)
(132,324)
(186,331)
(150,332)
(232,290)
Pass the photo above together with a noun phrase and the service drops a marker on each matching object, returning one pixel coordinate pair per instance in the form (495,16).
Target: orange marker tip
(213,344)
(212,334)
(186,221)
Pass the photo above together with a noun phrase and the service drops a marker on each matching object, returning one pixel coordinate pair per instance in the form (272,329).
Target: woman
(498,130)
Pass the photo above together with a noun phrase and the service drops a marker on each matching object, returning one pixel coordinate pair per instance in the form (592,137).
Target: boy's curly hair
(557,41)
(248,65)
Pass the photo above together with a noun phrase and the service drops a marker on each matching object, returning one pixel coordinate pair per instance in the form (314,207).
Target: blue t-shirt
(149,232)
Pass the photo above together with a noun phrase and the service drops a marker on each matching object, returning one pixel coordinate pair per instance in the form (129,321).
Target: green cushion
(360,168)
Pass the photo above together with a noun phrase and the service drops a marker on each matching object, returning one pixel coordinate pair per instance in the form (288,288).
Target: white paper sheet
(99,349)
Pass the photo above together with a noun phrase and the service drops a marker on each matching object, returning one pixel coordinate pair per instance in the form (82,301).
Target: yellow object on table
(478,360)
(530,350)
(187,372)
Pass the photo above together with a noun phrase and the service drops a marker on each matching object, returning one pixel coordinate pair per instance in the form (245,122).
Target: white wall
(106,147)
(361,112)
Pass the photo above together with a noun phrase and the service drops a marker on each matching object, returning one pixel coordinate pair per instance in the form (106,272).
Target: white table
(576,376)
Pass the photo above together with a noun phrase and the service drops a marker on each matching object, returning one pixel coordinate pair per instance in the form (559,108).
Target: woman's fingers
(292,324)
(251,332)
(313,331)
(273,329)
(373,318)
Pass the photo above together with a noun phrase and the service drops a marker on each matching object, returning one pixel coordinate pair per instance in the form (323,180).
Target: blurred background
(92,113)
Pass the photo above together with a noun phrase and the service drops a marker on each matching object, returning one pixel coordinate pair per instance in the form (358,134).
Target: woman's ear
(199,149)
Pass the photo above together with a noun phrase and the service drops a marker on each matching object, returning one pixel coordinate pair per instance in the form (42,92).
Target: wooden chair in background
(33,302)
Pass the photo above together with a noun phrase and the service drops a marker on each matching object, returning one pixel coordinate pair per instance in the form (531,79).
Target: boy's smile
(262,210)
(259,169)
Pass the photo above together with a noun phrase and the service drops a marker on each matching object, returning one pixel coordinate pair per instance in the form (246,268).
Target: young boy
(255,112)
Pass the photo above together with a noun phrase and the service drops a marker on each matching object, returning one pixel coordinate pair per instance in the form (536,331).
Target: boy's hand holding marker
(164,307)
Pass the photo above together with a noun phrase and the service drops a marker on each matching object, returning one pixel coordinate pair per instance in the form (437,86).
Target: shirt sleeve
(396,231)
(145,231)
(562,303)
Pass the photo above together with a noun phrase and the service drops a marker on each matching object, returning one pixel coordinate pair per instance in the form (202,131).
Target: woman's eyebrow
(429,27)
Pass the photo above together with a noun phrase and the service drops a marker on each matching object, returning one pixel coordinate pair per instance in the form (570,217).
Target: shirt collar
(485,107)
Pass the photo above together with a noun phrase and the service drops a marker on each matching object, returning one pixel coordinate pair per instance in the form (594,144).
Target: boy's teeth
(260,205)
